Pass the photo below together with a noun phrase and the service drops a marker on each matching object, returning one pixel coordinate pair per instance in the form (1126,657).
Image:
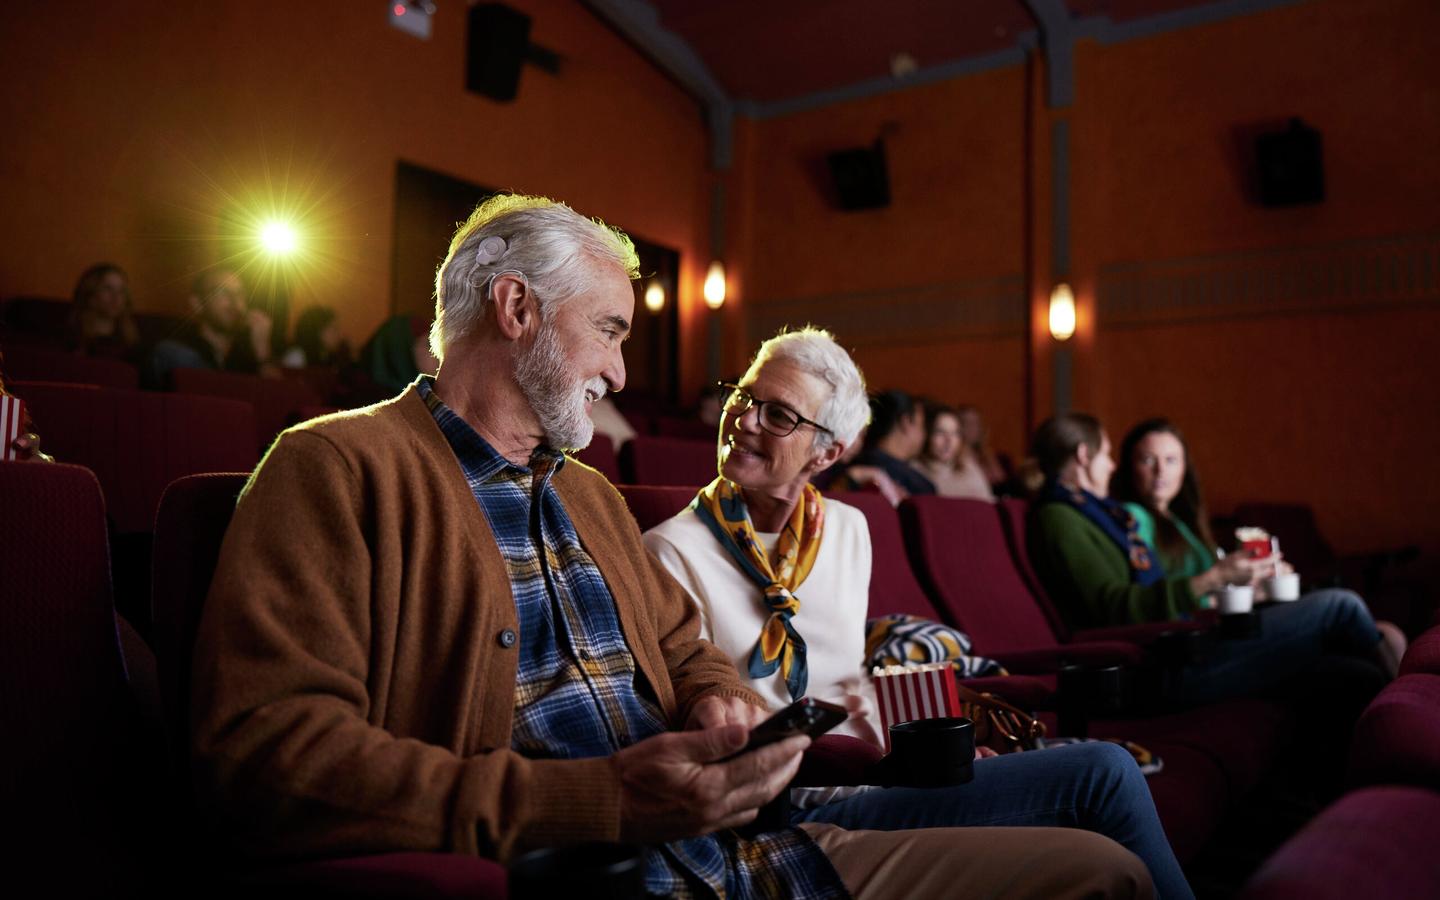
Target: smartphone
(805,716)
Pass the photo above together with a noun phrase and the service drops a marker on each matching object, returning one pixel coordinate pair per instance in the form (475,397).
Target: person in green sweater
(1100,570)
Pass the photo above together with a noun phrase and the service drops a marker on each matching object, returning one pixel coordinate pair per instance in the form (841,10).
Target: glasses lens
(736,399)
(778,419)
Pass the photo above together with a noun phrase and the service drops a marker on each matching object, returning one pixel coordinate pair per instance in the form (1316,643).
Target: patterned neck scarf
(1117,523)
(721,506)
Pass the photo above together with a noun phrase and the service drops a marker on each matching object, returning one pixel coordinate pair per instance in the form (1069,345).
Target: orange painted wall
(1333,408)
(955,152)
(131,128)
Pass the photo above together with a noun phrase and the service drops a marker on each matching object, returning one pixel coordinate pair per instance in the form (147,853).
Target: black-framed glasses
(773,416)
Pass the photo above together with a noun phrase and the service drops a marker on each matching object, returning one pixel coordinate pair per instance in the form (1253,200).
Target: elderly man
(429,630)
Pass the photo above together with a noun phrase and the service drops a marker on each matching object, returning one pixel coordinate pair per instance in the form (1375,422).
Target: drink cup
(1283,588)
(1235,598)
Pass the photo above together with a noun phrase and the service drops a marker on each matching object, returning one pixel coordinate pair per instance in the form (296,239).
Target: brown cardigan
(352,689)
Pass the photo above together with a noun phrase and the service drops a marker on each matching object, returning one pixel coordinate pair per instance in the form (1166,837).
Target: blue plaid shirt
(578,693)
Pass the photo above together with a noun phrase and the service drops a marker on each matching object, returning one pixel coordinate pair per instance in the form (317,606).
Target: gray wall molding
(640,23)
(960,68)
(1376,273)
(973,308)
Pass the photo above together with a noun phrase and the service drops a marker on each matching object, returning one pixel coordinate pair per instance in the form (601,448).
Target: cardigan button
(507,638)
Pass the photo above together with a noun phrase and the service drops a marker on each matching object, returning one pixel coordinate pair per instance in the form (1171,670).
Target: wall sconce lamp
(715,285)
(1062,312)
(655,296)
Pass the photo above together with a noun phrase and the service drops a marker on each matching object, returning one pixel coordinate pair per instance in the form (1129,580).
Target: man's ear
(515,312)
(1082,455)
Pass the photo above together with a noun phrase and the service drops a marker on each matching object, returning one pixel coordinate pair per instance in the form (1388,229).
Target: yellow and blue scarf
(721,506)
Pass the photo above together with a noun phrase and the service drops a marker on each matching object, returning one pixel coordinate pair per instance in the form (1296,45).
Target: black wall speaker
(860,178)
(497,40)
(1290,166)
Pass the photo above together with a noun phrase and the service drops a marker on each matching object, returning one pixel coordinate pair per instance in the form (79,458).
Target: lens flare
(278,238)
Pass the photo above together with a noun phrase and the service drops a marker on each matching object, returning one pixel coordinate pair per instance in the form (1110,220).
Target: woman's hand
(1237,568)
(27,449)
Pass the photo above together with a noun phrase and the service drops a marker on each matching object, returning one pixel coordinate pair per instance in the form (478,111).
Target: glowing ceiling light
(655,296)
(715,285)
(278,238)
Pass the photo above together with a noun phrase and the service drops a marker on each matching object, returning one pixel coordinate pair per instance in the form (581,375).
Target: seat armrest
(1045,660)
(838,759)
(1022,690)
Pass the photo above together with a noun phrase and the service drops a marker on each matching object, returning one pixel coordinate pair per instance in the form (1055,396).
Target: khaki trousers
(977,863)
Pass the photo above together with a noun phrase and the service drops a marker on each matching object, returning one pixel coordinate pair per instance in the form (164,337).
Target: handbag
(999,725)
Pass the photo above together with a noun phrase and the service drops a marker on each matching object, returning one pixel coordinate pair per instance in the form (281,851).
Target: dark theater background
(997,149)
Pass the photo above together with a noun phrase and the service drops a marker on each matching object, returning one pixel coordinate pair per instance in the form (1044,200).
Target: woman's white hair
(556,249)
(815,350)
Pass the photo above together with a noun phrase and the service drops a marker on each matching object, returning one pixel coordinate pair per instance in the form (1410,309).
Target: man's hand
(713,711)
(671,785)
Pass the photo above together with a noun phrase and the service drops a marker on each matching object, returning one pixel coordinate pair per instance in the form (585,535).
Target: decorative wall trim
(1363,274)
(975,308)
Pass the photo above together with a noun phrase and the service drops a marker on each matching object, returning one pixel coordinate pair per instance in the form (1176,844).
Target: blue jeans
(1294,636)
(1097,787)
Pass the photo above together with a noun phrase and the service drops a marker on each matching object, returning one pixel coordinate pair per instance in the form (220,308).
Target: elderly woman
(1100,570)
(760,537)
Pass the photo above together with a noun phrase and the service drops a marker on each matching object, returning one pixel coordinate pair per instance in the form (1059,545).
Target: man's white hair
(815,350)
(556,249)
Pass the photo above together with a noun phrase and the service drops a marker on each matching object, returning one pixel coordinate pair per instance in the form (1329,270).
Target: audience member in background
(976,436)
(760,536)
(946,461)
(895,437)
(398,352)
(318,341)
(1088,551)
(1160,488)
(101,322)
(486,660)
(223,333)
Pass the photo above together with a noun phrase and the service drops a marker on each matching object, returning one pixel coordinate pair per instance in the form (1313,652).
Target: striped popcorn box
(12,421)
(907,693)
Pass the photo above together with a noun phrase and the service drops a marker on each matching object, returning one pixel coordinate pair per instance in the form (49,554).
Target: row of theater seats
(276,402)
(94,751)
(1378,838)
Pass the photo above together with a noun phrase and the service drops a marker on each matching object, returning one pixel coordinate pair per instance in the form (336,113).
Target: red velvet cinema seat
(1423,655)
(894,590)
(652,504)
(600,456)
(193,516)
(1397,740)
(963,560)
(647,459)
(78,764)
(277,401)
(1378,841)
(137,442)
(24,363)
(1220,752)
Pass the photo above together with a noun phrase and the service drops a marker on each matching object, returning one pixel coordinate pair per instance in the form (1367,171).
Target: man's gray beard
(554,392)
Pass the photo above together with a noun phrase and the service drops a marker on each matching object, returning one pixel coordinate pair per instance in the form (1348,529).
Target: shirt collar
(472,449)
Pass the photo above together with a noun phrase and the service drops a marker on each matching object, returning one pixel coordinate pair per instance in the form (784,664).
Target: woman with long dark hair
(1161,489)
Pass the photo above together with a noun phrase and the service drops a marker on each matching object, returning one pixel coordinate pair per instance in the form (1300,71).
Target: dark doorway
(429,206)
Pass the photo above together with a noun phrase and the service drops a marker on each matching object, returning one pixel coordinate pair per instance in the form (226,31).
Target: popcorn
(907,693)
